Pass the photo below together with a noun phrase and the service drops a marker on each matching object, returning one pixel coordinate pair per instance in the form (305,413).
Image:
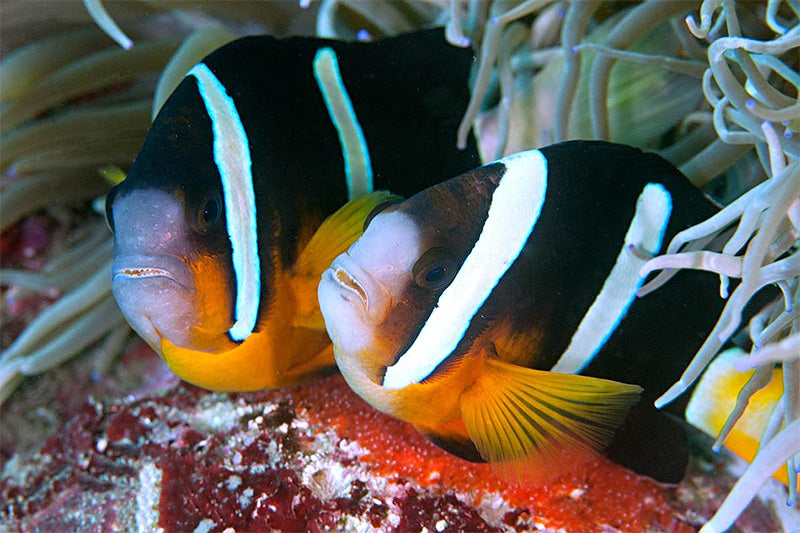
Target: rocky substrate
(138,449)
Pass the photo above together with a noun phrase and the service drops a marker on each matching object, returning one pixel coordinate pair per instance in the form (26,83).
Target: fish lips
(359,287)
(163,268)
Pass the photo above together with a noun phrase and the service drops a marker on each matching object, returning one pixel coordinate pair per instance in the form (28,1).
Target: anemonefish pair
(218,236)
(496,311)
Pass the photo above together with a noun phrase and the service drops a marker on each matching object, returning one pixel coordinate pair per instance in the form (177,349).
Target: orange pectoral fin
(249,366)
(259,362)
(312,354)
(308,313)
(532,425)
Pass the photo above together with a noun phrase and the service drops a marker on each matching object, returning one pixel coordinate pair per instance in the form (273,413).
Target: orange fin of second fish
(532,425)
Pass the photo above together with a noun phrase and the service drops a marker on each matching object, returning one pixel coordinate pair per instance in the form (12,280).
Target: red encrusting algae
(600,492)
(310,458)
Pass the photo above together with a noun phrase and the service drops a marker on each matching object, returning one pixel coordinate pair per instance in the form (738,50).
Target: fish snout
(156,295)
(358,285)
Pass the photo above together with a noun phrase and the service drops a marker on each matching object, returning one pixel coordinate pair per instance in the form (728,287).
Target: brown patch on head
(450,217)
(452,214)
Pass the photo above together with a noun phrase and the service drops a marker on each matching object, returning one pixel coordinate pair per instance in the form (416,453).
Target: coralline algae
(309,458)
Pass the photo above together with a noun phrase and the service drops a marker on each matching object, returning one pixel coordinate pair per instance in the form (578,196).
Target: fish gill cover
(712,86)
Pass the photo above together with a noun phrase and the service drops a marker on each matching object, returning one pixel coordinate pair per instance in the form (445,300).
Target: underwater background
(98,434)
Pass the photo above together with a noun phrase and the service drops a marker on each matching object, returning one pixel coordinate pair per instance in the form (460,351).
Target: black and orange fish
(219,239)
(496,311)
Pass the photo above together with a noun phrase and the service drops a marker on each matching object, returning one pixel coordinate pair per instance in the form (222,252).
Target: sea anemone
(747,109)
(73,107)
(70,105)
(718,98)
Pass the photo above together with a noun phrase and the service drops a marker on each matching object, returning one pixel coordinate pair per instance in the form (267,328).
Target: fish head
(172,267)
(377,296)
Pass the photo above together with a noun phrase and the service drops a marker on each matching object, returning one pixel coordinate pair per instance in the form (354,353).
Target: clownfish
(219,240)
(496,311)
(715,396)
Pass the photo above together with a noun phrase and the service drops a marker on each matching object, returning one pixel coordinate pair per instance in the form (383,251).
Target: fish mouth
(144,272)
(350,277)
(348,282)
(142,267)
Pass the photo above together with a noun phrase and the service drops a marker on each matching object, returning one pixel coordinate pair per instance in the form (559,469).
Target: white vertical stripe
(516,204)
(644,234)
(357,164)
(232,157)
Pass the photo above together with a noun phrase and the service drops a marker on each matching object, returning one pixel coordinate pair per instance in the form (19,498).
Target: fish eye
(378,208)
(209,212)
(435,269)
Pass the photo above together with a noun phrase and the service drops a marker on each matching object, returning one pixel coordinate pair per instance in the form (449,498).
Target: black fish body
(511,307)
(590,201)
(241,166)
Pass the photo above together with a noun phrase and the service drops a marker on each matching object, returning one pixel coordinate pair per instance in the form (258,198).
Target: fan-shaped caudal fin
(532,425)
